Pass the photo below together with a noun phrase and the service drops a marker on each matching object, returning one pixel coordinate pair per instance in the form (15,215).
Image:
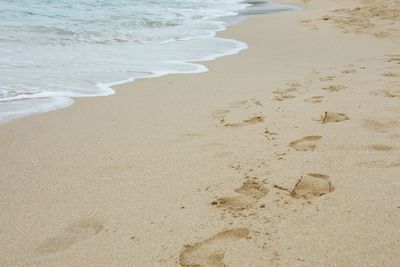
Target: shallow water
(52,50)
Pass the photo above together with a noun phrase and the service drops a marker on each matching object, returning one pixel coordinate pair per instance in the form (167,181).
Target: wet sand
(286,154)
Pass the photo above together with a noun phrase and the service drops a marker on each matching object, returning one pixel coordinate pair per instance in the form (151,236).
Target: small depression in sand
(239,114)
(314,99)
(329,117)
(212,251)
(312,185)
(235,203)
(252,188)
(334,88)
(286,93)
(249,193)
(75,233)
(308,143)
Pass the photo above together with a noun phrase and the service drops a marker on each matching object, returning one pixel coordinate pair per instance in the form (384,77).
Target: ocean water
(54,50)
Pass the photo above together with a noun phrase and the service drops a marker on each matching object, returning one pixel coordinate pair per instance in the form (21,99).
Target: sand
(286,154)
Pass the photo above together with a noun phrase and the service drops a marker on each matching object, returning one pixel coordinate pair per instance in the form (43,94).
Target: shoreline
(48,101)
(283,154)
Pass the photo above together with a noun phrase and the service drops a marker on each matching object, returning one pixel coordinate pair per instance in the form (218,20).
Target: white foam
(32,106)
(44,75)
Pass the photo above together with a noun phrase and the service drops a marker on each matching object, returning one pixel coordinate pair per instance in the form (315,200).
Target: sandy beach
(286,154)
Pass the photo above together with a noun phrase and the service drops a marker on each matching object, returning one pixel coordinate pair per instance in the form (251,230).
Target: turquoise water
(53,50)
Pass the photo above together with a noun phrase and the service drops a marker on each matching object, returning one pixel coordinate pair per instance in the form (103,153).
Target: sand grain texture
(286,154)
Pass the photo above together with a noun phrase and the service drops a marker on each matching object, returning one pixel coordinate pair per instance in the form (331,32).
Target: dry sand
(287,154)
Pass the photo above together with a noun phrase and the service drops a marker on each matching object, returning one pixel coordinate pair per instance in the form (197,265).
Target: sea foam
(52,51)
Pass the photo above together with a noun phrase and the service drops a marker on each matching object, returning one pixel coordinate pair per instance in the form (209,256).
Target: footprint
(250,192)
(254,119)
(242,113)
(381,127)
(334,88)
(306,143)
(75,233)
(362,19)
(394,58)
(349,71)
(211,252)
(233,204)
(381,148)
(327,78)
(314,99)
(382,34)
(329,117)
(312,185)
(381,164)
(282,97)
(390,93)
(253,188)
(391,74)
(287,93)
(251,120)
